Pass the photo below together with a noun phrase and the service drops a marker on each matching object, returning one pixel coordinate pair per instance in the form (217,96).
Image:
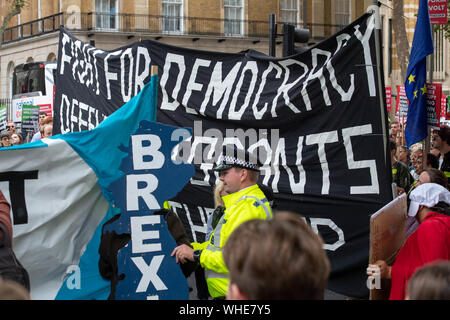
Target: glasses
(9,127)
(434,138)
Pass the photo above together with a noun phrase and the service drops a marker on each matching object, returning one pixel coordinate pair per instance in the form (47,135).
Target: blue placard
(150,178)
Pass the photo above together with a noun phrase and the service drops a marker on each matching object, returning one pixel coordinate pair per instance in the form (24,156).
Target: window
(172,11)
(106,14)
(28,78)
(233,13)
(289,11)
(342,12)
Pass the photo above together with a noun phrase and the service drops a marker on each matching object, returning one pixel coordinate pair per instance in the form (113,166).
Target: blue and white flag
(59,190)
(415,85)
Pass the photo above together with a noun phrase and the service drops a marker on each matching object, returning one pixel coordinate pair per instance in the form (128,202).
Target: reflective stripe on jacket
(249,203)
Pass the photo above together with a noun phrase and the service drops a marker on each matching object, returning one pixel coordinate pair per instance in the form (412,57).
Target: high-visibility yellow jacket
(249,203)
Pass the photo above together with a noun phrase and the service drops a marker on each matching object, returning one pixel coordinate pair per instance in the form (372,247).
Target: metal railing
(153,25)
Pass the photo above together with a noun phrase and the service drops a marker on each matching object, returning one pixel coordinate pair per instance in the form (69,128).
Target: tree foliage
(15,8)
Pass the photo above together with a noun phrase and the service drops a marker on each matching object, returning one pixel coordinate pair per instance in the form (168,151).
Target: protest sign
(388,98)
(438,11)
(30,119)
(3,117)
(401,106)
(434,93)
(387,235)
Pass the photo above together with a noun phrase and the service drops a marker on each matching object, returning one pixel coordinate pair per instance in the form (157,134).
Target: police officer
(244,201)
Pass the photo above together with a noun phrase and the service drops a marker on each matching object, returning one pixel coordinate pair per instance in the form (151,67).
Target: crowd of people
(10,137)
(253,251)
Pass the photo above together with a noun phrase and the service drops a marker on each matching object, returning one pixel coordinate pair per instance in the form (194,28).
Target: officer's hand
(183,253)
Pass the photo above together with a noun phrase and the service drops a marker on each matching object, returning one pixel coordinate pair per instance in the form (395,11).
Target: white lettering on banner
(321,139)
(345,96)
(87,117)
(260,113)
(134,192)
(220,87)
(253,68)
(192,85)
(139,151)
(297,187)
(329,223)
(138,235)
(203,213)
(179,61)
(284,88)
(131,69)
(152,150)
(140,77)
(64,57)
(367,57)
(126,96)
(203,152)
(347,133)
(149,273)
(109,76)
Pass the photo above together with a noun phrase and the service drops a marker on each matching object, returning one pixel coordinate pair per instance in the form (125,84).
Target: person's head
(432,161)
(10,127)
(44,122)
(237,170)
(42,116)
(48,130)
(443,140)
(416,157)
(430,282)
(395,128)
(5,138)
(432,175)
(427,197)
(11,290)
(403,153)
(16,139)
(280,258)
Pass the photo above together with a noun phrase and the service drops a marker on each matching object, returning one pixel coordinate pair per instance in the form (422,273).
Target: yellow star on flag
(424,89)
(415,93)
(412,78)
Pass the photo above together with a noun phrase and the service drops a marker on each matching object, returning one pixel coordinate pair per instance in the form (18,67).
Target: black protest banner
(314,120)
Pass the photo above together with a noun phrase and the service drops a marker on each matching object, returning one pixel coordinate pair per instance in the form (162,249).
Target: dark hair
(432,160)
(444,133)
(284,246)
(430,282)
(437,176)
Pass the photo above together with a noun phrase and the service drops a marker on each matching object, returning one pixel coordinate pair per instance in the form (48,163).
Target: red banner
(443,107)
(388,98)
(438,11)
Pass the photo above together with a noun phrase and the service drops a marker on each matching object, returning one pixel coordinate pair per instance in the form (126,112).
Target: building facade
(212,25)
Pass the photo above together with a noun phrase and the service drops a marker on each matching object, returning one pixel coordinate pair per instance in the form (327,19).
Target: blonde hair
(218,195)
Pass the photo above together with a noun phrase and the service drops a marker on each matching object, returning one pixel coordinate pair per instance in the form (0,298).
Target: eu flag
(415,84)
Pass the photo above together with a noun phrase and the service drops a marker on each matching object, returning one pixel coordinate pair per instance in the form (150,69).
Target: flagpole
(381,91)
